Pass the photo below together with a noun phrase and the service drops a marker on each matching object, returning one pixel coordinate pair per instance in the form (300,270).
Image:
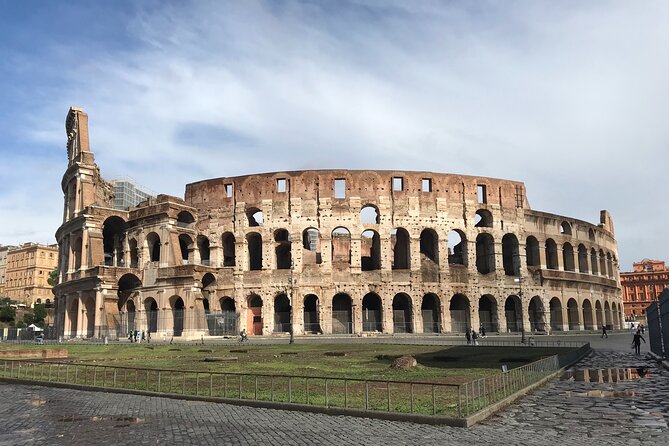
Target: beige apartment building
(28,268)
(3,267)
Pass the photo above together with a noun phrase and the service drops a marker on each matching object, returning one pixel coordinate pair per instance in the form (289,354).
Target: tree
(53,277)
(39,314)
(7,313)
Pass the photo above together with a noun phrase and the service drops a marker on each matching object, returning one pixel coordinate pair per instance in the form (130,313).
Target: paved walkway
(34,415)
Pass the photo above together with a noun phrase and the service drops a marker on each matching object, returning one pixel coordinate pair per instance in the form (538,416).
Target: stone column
(565,317)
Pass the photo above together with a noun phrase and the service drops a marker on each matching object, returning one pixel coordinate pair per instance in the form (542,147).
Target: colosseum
(331,252)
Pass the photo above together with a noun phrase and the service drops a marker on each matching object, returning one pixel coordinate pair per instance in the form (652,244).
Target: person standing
(604,334)
(475,337)
(636,342)
(482,330)
(468,336)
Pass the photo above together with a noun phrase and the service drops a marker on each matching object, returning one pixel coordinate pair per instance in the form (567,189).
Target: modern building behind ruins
(326,251)
(27,273)
(642,286)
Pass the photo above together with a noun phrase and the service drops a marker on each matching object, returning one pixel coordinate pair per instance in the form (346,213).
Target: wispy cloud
(569,97)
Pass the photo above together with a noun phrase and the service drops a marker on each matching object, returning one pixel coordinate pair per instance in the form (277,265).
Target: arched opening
(591,234)
(185,219)
(282,312)
(341,247)
(370,250)
(227,324)
(400,242)
(130,312)
(208,317)
(371,313)
(483,219)
(342,320)
(510,255)
(254,244)
(369,215)
(228,243)
(311,247)
(582,259)
(537,315)
(485,253)
(513,314)
(178,310)
(609,265)
(151,310)
(402,317)
(565,228)
(568,257)
(599,315)
(457,248)
(208,283)
(551,254)
(572,314)
(429,255)
(532,252)
(203,248)
(431,312)
(607,315)
(153,243)
(113,235)
(282,246)
(127,285)
(587,315)
(186,247)
(616,315)
(255,217)
(593,261)
(311,321)
(459,309)
(134,253)
(488,314)
(602,263)
(255,314)
(76,253)
(89,316)
(556,314)
(73,316)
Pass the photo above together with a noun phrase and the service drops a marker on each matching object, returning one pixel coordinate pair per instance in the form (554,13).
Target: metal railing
(422,398)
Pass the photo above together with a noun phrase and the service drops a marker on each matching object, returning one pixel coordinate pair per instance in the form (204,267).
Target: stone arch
(594,264)
(370,250)
(510,255)
(483,219)
(153,243)
(513,311)
(311,247)
(572,314)
(227,324)
(488,314)
(178,314)
(402,314)
(609,265)
(186,246)
(551,254)
(602,263)
(282,249)
(185,219)
(591,234)
(429,245)
(568,257)
(209,282)
(372,313)
(282,314)
(369,215)
(127,284)
(459,309)
(73,316)
(342,314)
(582,259)
(431,312)
(203,248)
(607,314)
(532,256)
(113,235)
(254,244)
(255,317)
(77,253)
(341,246)
(134,253)
(151,311)
(565,228)
(616,315)
(228,243)
(555,307)
(130,311)
(311,319)
(599,315)
(255,217)
(588,323)
(401,247)
(537,314)
(457,248)
(485,253)
(89,316)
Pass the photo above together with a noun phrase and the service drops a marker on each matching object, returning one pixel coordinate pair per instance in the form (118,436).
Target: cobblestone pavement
(34,415)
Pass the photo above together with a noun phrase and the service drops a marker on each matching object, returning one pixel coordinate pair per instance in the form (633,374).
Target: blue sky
(569,97)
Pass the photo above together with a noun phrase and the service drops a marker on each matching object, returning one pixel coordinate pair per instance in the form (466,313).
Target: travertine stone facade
(327,251)
(28,269)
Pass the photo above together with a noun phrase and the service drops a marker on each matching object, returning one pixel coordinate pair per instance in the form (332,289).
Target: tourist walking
(636,342)
(604,334)
(468,336)
(475,337)
(482,330)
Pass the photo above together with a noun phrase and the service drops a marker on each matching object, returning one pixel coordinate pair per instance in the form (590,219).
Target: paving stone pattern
(34,415)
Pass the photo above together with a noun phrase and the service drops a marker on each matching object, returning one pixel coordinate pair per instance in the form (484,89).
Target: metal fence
(422,398)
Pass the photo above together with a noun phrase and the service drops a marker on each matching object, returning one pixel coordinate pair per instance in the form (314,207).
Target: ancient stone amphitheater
(326,252)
